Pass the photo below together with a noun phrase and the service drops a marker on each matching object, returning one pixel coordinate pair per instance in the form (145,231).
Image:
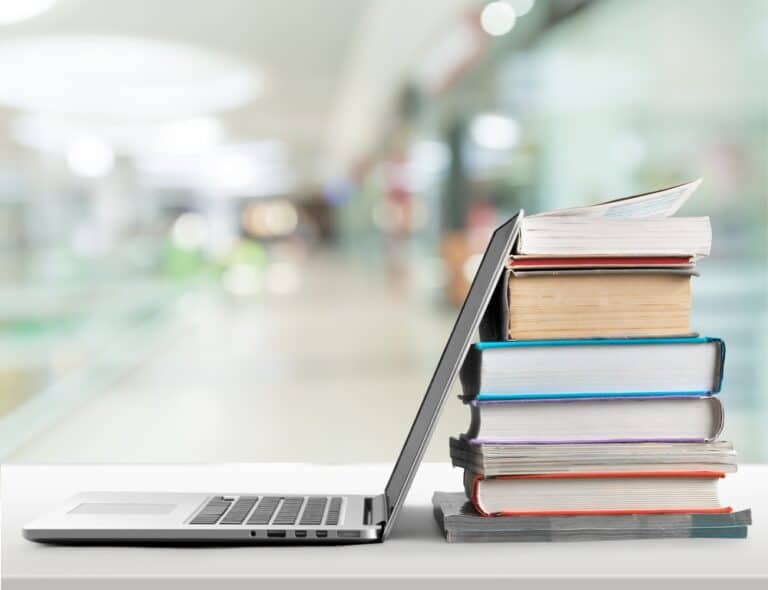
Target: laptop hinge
(376,509)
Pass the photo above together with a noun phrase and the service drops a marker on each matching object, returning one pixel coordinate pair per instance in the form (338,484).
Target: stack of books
(594,406)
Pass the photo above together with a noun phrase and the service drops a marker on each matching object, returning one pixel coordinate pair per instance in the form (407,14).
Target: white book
(666,419)
(640,225)
(615,236)
(525,369)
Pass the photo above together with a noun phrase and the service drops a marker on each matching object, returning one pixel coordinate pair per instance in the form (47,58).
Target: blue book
(593,368)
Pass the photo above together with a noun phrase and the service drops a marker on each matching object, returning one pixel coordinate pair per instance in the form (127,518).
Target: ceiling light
(121,78)
(495,132)
(182,136)
(498,18)
(188,136)
(90,157)
(13,11)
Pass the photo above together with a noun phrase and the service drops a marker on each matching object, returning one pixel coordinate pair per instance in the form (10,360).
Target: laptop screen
(453,354)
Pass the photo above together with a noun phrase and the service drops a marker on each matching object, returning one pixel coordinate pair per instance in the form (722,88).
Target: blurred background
(239,230)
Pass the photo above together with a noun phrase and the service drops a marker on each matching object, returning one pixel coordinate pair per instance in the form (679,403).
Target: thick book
(490,459)
(644,419)
(461,523)
(640,492)
(589,301)
(594,368)
(597,302)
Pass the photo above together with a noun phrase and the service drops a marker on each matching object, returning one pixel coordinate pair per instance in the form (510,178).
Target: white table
(416,552)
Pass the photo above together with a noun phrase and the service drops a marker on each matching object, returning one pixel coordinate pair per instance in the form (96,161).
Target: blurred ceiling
(329,69)
(300,49)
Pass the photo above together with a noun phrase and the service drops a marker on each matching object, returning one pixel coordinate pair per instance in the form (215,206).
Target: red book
(536,262)
(596,493)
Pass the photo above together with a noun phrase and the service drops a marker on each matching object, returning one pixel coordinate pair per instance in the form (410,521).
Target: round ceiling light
(119,78)
(498,18)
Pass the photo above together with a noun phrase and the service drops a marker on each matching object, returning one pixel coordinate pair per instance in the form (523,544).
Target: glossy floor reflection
(331,373)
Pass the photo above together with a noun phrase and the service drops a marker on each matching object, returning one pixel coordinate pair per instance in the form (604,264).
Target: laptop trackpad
(122,508)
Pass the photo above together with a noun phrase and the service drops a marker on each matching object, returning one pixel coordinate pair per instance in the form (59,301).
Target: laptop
(281,518)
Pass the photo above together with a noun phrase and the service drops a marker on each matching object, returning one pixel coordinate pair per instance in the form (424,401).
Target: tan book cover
(598,304)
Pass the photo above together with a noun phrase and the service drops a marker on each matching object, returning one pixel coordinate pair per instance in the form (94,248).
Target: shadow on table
(416,523)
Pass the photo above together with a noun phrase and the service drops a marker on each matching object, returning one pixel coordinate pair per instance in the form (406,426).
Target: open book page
(662,203)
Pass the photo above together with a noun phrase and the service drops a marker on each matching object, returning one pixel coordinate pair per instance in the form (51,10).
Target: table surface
(415,551)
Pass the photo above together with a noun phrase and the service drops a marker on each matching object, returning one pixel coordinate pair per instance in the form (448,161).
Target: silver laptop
(150,518)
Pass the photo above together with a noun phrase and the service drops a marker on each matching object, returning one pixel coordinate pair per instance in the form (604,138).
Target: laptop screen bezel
(487,275)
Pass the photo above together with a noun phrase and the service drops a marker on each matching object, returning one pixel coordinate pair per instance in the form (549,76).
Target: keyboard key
(289,511)
(264,511)
(239,510)
(313,512)
(334,512)
(213,511)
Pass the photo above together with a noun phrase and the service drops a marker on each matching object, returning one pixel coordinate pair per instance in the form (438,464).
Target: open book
(641,225)
(661,203)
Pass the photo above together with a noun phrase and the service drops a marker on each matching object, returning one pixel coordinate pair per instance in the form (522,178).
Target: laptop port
(349,534)
(321,534)
(300,534)
(274,534)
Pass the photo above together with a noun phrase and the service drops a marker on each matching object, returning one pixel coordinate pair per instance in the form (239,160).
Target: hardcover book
(626,367)
(599,493)
(599,420)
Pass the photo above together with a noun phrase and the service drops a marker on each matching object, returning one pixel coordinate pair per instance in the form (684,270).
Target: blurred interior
(239,230)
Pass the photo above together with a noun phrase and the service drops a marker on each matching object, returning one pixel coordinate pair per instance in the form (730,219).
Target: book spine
(586,441)
(718,420)
(472,488)
(493,323)
(470,373)
(565,395)
(720,368)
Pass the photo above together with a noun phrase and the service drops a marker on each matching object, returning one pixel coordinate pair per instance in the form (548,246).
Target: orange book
(596,493)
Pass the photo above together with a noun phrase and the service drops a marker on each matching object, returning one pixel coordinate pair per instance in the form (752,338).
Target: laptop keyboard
(239,510)
(270,510)
(264,511)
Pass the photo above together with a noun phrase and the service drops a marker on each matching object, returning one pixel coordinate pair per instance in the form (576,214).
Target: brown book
(598,304)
